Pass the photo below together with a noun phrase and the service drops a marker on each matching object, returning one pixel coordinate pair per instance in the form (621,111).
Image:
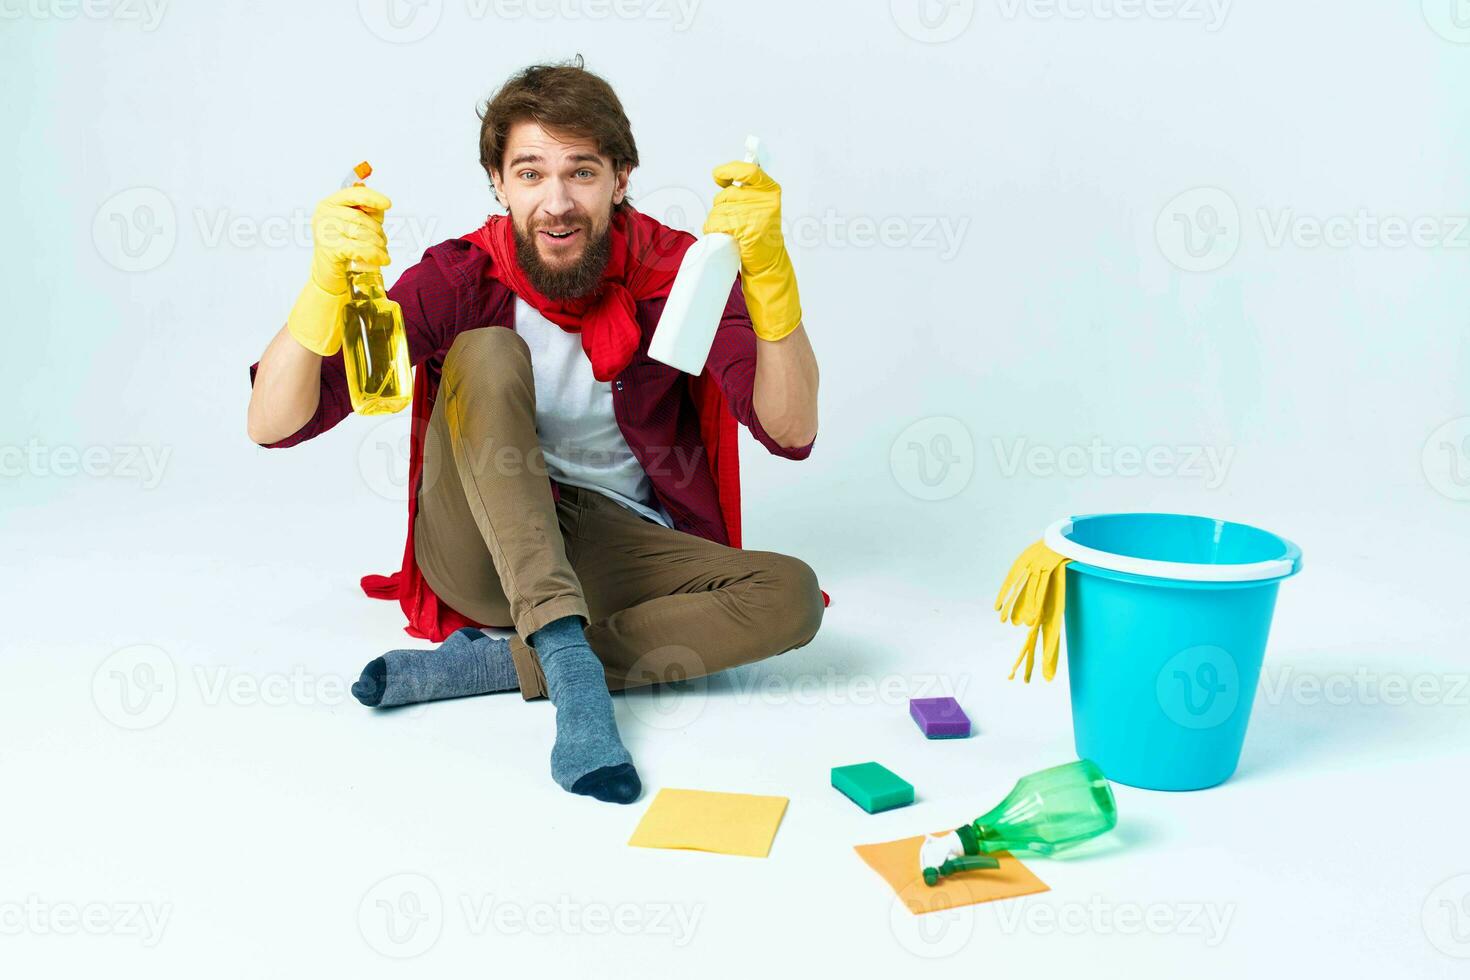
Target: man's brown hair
(565,98)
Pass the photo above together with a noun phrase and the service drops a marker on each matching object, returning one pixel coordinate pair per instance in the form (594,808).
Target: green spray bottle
(1046,811)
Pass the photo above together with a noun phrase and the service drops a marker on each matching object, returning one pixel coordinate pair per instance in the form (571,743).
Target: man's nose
(558,202)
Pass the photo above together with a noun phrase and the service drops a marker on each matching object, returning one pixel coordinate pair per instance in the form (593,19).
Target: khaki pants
(660,604)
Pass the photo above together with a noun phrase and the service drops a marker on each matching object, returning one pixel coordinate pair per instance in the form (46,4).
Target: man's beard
(574,281)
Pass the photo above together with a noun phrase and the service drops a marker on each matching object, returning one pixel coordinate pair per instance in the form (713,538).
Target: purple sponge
(940,717)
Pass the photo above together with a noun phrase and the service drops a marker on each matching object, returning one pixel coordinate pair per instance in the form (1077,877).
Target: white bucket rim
(1056,539)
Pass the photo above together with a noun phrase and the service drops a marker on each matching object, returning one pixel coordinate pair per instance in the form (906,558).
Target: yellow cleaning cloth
(699,820)
(898,862)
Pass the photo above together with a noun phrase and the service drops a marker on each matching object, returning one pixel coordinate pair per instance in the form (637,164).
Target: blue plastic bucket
(1167,618)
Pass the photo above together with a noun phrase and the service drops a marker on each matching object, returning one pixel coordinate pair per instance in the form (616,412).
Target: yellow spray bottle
(374,345)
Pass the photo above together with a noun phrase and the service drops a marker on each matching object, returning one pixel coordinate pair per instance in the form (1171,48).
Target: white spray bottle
(697,299)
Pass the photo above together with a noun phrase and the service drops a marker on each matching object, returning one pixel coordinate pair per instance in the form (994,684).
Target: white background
(1036,243)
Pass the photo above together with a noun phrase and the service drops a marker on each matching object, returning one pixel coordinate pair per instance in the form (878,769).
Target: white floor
(235,813)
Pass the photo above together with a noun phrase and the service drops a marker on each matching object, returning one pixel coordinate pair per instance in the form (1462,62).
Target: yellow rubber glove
(348,226)
(1034,594)
(751,214)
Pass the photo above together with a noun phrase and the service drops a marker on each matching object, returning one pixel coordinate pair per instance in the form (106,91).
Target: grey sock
(467,662)
(589,757)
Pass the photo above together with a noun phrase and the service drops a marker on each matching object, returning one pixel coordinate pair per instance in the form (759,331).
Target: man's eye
(528,175)
(584,171)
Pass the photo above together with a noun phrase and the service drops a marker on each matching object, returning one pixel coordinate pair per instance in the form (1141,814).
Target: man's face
(560,193)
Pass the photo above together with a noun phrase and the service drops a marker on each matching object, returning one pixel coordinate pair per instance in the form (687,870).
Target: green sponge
(872,787)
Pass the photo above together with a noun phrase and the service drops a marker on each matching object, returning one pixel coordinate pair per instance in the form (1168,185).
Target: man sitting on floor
(563,482)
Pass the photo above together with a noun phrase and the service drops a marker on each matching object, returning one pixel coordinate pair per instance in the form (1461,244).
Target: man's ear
(620,185)
(499,191)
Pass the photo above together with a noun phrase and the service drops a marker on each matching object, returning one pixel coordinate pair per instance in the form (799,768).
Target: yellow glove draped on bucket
(1035,595)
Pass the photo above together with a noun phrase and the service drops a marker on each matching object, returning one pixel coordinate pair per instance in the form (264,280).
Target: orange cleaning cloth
(898,862)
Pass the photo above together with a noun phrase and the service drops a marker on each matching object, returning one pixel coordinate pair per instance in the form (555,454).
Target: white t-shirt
(579,434)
